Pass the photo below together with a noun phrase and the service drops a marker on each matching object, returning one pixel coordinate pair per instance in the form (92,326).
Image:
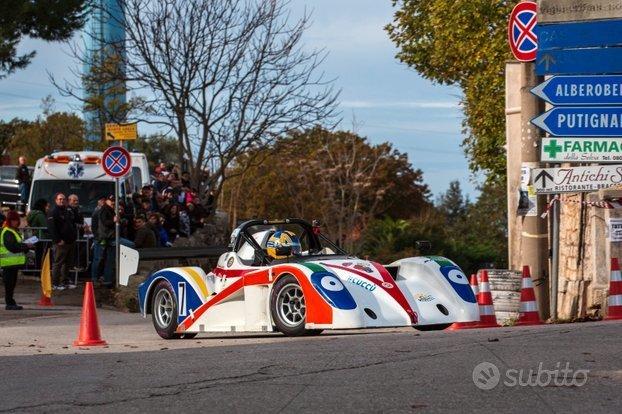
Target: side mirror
(284,250)
(423,245)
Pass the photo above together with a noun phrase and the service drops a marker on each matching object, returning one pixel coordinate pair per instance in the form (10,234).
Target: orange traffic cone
(465,325)
(528,305)
(89,334)
(615,292)
(487,318)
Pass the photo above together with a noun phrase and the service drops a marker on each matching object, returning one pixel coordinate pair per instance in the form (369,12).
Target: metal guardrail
(181,252)
(83,247)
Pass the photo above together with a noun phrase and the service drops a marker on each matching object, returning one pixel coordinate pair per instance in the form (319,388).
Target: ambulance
(81,173)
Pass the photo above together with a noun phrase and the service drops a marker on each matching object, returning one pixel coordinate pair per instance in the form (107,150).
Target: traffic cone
(89,334)
(487,317)
(465,325)
(528,305)
(614,301)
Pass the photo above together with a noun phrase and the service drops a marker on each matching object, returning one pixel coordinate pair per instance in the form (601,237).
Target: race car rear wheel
(164,310)
(288,307)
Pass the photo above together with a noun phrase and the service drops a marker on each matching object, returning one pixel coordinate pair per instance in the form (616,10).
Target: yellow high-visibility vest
(8,258)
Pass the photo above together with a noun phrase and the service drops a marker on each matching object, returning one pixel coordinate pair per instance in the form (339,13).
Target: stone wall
(585,254)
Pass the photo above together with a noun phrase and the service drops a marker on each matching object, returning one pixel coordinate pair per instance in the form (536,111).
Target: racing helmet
(283,244)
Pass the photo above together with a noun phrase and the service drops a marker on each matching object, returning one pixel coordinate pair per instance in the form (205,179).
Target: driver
(279,243)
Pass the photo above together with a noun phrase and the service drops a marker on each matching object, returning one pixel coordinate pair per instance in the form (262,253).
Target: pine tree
(51,20)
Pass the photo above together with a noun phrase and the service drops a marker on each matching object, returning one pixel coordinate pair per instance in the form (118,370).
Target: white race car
(303,291)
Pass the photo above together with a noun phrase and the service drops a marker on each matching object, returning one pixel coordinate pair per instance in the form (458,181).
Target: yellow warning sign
(121,132)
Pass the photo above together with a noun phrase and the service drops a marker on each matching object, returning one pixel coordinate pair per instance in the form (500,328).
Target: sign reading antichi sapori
(576,179)
(605,150)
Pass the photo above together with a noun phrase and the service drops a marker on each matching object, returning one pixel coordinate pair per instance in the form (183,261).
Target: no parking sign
(116,162)
(521,31)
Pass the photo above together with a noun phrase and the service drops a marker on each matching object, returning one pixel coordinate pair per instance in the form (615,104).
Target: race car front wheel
(288,307)
(164,310)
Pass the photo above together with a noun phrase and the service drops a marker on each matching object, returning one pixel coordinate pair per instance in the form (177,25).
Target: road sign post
(522,31)
(117,163)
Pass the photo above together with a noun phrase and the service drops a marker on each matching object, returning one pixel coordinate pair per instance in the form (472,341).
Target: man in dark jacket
(145,237)
(63,232)
(98,249)
(106,234)
(22,175)
(12,257)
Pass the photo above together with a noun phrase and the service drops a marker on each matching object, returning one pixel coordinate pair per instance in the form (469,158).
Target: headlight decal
(459,282)
(333,290)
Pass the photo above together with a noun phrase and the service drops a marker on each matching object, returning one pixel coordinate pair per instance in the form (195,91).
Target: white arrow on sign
(576,179)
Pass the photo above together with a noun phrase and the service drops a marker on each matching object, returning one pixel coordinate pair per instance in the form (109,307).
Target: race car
(286,276)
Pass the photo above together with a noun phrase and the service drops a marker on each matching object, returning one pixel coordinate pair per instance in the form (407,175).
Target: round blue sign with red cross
(116,162)
(521,31)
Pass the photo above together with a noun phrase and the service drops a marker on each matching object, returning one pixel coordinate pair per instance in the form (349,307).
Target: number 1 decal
(181,297)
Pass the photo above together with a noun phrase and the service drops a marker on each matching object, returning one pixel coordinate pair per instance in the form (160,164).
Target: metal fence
(84,243)
(82,250)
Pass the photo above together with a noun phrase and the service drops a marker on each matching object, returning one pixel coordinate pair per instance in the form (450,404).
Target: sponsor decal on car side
(423,297)
(362,283)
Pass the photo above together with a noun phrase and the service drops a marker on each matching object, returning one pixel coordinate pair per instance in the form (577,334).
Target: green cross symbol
(553,148)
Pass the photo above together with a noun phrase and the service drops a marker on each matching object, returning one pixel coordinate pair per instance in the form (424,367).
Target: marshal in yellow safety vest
(8,258)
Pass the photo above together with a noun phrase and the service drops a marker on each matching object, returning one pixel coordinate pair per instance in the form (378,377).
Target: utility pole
(534,234)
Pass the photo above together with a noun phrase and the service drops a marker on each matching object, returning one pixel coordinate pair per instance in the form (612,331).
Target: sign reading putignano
(605,150)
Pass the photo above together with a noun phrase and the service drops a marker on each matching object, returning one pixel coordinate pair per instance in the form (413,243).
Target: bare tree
(225,76)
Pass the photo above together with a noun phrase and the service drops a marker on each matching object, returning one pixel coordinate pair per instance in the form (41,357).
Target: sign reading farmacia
(582,150)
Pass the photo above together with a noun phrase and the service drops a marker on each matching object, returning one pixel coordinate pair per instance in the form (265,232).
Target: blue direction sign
(581,90)
(586,47)
(594,121)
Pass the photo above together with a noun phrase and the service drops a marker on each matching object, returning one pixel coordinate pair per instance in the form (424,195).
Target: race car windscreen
(262,233)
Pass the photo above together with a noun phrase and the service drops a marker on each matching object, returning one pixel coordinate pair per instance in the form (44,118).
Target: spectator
(106,234)
(148,194)
(98,249)
(211,200)
(185,179)
(172,223)
(12,257)
(37,219)
(161,183)
(74,209)
(22,175)
(184,223)
(126,228)
(145,236)
(63,233)
(156,221)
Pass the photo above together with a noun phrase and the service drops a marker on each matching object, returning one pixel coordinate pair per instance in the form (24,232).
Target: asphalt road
(365,371)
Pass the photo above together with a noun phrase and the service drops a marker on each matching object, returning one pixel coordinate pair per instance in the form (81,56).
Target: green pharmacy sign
(602,150)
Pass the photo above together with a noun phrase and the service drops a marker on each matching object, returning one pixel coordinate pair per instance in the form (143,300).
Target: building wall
(103,32)
(585,264)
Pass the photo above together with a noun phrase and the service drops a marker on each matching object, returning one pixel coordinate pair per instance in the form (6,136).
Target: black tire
(164,319)
(437,327)
(289,316)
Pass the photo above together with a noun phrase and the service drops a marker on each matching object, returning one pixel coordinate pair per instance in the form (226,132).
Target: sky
(381,98)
